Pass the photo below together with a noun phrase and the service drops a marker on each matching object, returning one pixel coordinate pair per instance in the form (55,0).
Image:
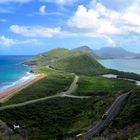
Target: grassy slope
(48,57)
(90,86)
(51,85)
(80,63)
(77,62)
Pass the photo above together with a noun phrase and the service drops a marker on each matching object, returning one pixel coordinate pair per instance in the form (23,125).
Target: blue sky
(34,26)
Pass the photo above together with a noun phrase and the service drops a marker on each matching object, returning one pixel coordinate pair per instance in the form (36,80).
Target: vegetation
(80,63)
(127,123)
(135,138)
(56,118)
(48,57)
(63,59)
(99,86)
(61,118)
(128,75)
(6,133)
(52,84)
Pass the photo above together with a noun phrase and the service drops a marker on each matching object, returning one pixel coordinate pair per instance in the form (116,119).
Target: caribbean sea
(12,72)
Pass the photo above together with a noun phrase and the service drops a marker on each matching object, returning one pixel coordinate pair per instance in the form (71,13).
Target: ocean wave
(28,77)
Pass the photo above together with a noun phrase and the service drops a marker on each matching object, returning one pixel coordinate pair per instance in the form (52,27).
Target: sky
(34,26)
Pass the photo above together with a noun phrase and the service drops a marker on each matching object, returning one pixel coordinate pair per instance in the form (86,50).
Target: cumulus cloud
(103,21)
(10,42)
(6,41)
(35,31)
(42,10)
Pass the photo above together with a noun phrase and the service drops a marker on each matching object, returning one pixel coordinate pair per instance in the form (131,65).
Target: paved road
(111,113)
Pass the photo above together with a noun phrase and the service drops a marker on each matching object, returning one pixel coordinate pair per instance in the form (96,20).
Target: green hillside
(66,60)
(48,57)
(80,63)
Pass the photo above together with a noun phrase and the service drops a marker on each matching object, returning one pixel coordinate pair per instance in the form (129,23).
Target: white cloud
(6,41)
(103,21)
(42,10)
(110,41)
(61,2)
(12,1)
(98,20)
(10,42)
(35,31)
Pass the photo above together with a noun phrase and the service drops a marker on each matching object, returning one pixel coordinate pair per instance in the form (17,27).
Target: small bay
(127,65)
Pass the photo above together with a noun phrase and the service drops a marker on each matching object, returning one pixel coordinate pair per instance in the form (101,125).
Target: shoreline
(4,95)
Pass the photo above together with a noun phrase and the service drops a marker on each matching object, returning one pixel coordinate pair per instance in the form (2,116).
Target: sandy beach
(11,91)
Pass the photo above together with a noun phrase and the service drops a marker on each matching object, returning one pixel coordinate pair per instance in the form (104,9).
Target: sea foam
(28,77)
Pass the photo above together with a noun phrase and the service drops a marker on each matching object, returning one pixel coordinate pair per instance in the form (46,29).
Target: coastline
(4,95)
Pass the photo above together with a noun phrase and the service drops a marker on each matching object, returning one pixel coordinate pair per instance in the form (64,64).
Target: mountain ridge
(108,52)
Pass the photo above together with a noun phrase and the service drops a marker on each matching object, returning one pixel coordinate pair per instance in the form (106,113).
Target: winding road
(67,93)
(111,112)
(114,108)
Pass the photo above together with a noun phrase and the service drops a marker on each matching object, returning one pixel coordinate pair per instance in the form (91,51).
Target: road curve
(67,93)
(111,113)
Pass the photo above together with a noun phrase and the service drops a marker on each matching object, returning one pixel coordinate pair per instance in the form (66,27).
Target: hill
(108,52)
(80,63)
(87,50)
(48,57)
(115,53)
(83,49)
(66,60)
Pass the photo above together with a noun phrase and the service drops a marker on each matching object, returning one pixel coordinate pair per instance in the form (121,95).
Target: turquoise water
(128,65)
(12,71)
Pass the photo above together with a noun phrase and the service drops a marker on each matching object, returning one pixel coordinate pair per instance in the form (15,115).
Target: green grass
(80,63)
(66,60)
(56,118)
(50,85)
(99,86)
(48,57)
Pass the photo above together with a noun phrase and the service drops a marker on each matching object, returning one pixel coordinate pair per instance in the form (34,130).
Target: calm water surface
(128,65)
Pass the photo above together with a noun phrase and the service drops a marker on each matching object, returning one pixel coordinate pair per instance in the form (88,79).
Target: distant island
(109,53)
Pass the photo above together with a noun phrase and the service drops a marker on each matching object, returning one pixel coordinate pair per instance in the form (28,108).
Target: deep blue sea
(128,65)
(12,72)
